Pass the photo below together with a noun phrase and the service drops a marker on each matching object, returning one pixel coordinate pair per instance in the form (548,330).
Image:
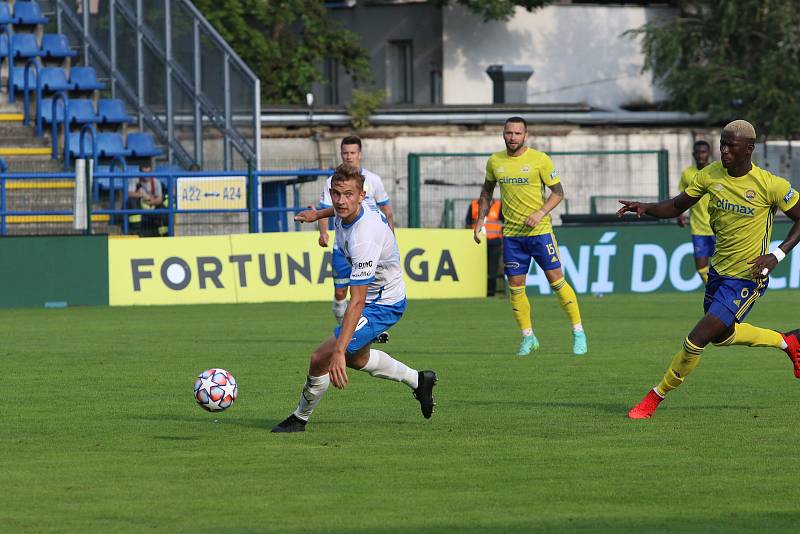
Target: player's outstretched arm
(483,208)
(311,214)
(358,299)
(763,265)
(666,209)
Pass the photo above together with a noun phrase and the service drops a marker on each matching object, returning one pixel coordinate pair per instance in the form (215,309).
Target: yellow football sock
(753,336)
(568,300)
(682,364)
(521,307)
(703,272)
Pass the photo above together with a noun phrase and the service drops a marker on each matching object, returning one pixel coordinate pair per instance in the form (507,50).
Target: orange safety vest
(493,226)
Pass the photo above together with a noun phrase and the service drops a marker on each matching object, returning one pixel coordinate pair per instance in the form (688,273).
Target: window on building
(436,87)
(331,87)
(400,72)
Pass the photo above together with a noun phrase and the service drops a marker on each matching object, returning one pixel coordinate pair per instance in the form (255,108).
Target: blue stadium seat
(55,79)
(55,45)
(104,183)
(112,111)
(47,110)
(25,45)
(143,145)
(75,144)
(26,13)
(85,79)
(18,79)
(110,145)
(81,111)
(3,165)
(3,45)
(5,14)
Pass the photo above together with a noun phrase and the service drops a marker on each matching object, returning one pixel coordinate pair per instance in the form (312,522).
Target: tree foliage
(497,9)
(285,42)
(731,59)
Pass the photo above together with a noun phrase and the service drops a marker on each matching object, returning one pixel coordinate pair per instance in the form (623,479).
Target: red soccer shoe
(792,340)
(646,407)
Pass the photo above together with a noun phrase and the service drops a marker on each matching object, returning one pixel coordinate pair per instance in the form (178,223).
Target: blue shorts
(341,269)
(704,245)
(731,299)
(518,251)
(375,318)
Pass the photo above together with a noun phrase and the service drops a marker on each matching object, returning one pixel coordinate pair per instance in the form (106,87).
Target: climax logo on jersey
(789,195)
(735,208)
(511,180)
(750,194)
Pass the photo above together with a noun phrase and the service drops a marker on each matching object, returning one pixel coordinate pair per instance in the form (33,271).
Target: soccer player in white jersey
(350,149)
(377,301)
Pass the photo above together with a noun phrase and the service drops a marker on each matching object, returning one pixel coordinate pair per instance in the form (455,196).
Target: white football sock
(381,365)
(527,332)
(313,390)
(784,346)
(339,307)
(577,327)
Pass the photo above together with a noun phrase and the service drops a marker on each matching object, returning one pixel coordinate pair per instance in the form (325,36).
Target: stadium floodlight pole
(198,82)
(112,33)
(140,63)
(168,77)
(85,5)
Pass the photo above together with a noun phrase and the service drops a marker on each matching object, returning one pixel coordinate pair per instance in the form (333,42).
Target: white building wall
(578,54)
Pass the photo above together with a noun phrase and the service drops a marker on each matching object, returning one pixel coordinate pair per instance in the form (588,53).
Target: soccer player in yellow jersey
(703,238)
(523,173)
(743,201)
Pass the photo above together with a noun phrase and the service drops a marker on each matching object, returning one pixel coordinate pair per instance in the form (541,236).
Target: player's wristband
(778,253)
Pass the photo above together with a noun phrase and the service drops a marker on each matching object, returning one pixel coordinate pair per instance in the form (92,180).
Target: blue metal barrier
(60,96)
(5,212)
(255,210)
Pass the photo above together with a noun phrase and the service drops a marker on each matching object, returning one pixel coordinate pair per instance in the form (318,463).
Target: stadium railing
(197,203)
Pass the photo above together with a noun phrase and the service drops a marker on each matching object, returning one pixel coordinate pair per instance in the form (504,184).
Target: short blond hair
(741,127)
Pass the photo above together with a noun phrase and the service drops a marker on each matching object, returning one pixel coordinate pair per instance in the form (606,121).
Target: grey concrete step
(33,164)
(6,107)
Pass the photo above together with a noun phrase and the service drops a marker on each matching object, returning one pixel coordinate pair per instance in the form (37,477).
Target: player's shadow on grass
(205,419)
(609,407)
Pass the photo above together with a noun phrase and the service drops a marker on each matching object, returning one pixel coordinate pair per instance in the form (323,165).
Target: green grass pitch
(100,432)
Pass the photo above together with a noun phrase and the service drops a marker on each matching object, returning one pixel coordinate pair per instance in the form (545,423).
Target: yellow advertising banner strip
(276,267)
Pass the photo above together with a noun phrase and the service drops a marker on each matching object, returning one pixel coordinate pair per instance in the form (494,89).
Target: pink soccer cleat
(646,407)
(792,340)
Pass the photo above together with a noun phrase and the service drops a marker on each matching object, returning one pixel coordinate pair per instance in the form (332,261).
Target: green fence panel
(35,271)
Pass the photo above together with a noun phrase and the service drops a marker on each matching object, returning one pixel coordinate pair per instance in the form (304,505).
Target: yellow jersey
(522,181)
(741,210)
(698,220)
